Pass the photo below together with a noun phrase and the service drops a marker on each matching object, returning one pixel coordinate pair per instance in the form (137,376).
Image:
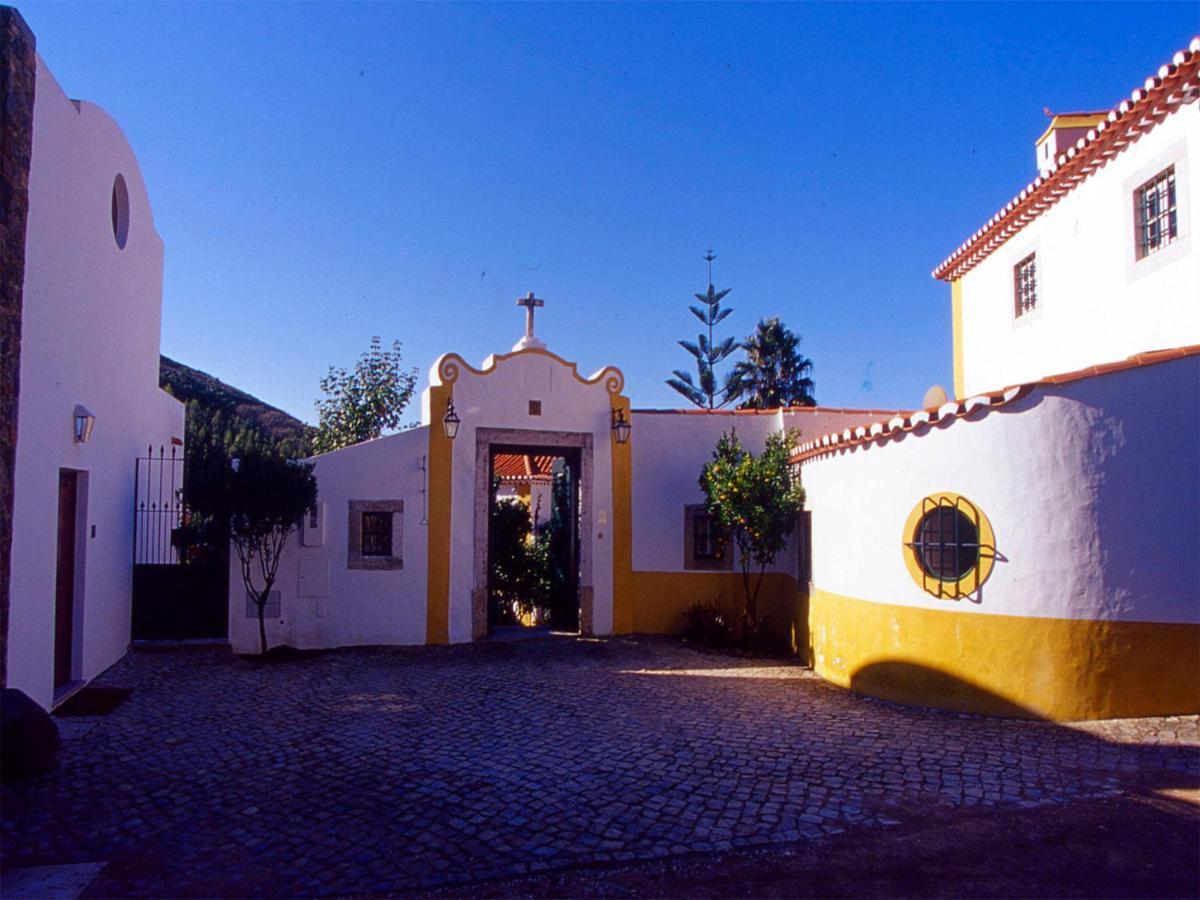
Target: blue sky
(324,172)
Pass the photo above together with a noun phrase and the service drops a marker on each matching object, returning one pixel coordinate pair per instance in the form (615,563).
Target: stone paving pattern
(381,770)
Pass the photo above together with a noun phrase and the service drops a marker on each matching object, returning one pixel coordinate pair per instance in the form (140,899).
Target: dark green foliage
(707,625)
(363,404)
(226,416)
(757,500)
(708,353)
(520,562)
(222,423)
(774,372)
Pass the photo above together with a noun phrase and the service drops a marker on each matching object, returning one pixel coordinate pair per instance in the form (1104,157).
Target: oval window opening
(120,211)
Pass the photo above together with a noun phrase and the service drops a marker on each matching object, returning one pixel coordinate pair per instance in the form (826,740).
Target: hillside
(187,384)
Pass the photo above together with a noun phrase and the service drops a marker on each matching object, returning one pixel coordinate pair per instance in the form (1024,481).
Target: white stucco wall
(499,399)
(1091,488)
(90,335)
(323,603)
(670,448)
(1096,302)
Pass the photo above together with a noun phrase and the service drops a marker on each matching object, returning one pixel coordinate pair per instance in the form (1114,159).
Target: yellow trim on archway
(622,522)
(440,474)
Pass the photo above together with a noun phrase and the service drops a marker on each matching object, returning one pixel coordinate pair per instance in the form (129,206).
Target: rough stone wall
(18,71)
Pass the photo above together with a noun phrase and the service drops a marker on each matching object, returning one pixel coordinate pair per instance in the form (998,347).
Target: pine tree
(707,351)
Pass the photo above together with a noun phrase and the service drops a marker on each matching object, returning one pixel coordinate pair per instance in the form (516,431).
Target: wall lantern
(450,421)
(84,421)
(621,426)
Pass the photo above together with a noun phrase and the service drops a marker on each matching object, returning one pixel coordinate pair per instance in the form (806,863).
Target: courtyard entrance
(533,537)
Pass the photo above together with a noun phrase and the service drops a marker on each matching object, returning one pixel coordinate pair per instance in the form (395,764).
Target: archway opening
(533,564)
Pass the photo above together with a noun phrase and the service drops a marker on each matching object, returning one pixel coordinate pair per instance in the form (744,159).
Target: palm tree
(774,372)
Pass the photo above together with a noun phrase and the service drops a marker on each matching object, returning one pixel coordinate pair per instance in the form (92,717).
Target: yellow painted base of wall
(1058,669)
(660,599)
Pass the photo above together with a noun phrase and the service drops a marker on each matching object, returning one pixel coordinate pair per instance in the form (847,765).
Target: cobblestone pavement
(379,770)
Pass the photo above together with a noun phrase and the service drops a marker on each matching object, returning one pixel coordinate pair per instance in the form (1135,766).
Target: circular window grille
(946,543)
(120,211)
(949,545)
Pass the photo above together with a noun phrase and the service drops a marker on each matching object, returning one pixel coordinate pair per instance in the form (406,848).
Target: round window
(120,211)
(946,543)
(949,546)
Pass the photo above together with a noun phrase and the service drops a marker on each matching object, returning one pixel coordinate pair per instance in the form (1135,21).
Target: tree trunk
(261,603)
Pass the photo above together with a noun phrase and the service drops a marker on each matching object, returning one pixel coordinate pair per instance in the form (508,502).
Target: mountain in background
(230,416)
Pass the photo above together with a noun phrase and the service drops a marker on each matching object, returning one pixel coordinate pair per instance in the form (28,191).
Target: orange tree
(756,500)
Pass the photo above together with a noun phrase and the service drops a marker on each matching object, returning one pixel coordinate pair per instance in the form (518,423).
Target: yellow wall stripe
(1059,669)
(622,524)
(440,475)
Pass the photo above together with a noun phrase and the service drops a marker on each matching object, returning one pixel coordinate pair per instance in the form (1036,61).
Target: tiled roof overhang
(1176,83)
(957,409)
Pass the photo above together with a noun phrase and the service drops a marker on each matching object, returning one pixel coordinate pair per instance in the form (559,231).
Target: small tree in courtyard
(362,404)
(756,500)
(267,496)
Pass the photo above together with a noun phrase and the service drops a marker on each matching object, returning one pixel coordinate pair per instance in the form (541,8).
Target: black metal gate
(180,591)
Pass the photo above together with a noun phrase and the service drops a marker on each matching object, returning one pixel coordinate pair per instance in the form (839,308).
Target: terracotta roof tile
(957,409)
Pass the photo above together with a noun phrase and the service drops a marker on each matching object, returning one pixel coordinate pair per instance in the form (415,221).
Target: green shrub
(708,625)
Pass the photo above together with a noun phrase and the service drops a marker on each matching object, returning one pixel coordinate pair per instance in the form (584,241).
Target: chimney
(1064,131)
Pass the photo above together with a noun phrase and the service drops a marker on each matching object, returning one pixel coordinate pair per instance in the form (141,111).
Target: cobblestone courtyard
(379,770)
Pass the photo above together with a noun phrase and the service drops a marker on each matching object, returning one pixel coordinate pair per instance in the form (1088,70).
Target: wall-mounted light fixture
(84,421)
(621,426)
(450,421)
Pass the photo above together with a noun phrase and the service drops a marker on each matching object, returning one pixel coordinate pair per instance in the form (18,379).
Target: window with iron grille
(1025,284)
(377,534)
(946,543)
(1156,213)
(707,537)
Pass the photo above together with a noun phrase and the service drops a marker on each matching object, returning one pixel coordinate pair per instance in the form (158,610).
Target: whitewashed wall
(500,399)
(1096,302)
(1090,487)
(323,603)
(670,447)
(90,335)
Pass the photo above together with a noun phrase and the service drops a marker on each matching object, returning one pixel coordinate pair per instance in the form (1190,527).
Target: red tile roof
(956,409)
(523,468)
(1176,83)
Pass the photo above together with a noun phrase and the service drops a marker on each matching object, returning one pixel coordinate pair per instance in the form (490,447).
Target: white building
(1093,261)
(88,401)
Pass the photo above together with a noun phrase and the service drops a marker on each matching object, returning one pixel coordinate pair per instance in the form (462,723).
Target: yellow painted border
(440,474)
(622,521)
(961,659)
(448,368)
(956,311)
(970,582)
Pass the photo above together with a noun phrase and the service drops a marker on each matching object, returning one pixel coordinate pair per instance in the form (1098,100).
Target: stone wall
(18,68)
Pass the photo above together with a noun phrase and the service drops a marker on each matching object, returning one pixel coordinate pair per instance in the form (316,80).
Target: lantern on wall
(621,426)
(84,421)
(450,421)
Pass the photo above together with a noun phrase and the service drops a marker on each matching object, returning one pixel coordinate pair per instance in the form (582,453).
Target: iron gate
(180,589)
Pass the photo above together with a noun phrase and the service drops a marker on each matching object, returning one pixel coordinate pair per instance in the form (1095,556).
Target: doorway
(66,580)
(533,490)
(533,538)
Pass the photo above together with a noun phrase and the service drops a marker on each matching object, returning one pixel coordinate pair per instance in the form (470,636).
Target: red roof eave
(1176,83)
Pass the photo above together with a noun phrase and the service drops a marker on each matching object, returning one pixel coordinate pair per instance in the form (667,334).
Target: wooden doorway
(64,586)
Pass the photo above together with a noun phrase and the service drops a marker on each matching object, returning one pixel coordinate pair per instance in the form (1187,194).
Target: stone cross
(530,303)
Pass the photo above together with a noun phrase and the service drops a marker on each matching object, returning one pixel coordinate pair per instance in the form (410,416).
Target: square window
(535,407)
(1025,285)
(706,537)
(377,534)
(1156,215)
(374,539)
